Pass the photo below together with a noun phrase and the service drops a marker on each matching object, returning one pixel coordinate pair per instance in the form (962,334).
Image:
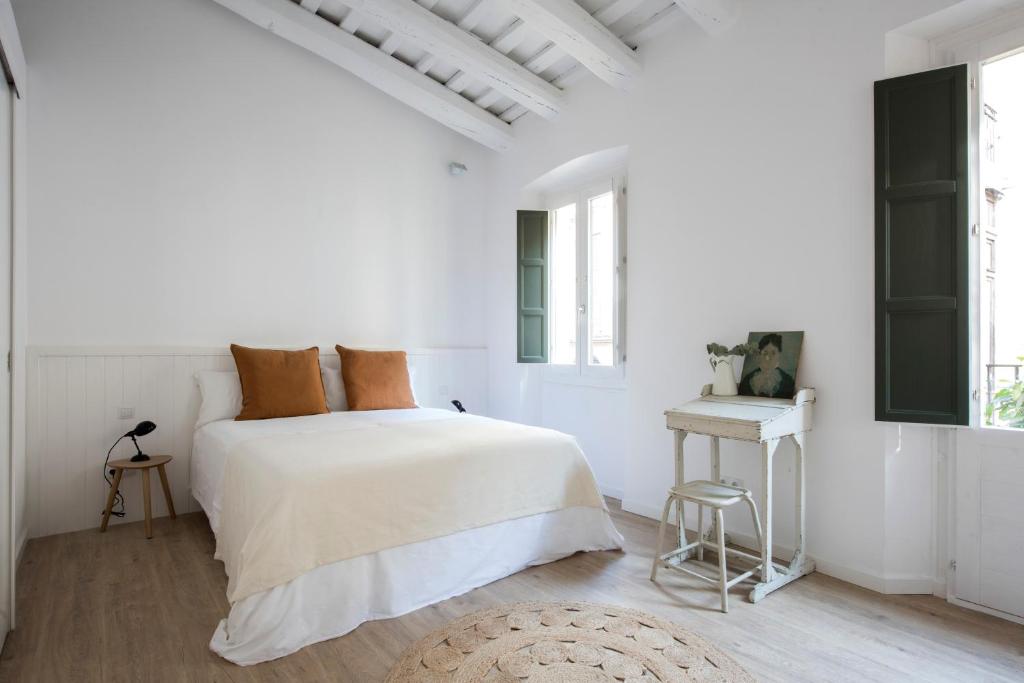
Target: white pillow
(334,387)
(221,393)
(412,384)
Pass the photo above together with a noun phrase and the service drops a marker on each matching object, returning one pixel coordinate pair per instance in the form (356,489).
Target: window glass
(1002,244)
(563,286)
(601,233)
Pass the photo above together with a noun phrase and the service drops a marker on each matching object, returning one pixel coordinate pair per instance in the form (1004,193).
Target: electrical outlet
(125,413)
(731,481)
(442,390)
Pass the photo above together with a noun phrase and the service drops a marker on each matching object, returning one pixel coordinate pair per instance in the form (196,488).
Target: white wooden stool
(715,496)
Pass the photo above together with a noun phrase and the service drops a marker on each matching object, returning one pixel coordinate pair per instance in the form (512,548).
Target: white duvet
(212,443)
(335,597)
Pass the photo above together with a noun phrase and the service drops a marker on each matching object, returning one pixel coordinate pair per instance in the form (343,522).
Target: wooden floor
(116,607)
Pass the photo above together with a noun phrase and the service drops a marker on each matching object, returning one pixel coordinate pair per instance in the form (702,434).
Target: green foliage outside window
(1007,406)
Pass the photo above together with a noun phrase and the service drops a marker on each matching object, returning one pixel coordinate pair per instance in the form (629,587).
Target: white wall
(596,416)
(750,207)
(195,180)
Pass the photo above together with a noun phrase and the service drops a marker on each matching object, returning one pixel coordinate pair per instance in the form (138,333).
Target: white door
(6,224)
(989,514)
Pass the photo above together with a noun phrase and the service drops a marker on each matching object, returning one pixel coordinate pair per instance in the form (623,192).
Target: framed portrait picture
(771,370)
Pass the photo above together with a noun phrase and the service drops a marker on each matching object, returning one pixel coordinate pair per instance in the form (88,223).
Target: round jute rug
(563,642)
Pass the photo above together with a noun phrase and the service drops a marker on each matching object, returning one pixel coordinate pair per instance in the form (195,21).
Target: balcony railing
(991,370)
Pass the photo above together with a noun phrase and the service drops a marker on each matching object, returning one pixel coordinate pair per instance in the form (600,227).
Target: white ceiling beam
(654,25)
(391,43)
(474,15)
(569,26)
(472,56)
(615,11)
(352,21)
(513,113)
(508,39)
(426,63)
(714,16)
(504,42)
(459,82)
(649,28)
(321,37)
(468,22)
(488,98)
(544,58)
(311,5)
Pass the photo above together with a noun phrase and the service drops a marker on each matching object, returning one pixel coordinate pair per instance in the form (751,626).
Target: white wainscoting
(75,397)
(989,549)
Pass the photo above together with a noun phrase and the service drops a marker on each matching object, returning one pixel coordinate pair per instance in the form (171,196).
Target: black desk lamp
(141,429)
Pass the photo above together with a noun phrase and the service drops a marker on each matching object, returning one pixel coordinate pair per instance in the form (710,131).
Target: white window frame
(582,372)
(976,48)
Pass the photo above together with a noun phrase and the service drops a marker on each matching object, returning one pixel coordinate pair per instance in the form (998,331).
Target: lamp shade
(143,428)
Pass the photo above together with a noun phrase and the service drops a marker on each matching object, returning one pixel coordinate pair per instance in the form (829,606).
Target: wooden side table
(119,466)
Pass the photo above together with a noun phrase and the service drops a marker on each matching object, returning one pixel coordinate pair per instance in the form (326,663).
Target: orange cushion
(376,380)
(279,383)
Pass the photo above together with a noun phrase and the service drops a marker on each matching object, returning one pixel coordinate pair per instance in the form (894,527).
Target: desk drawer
(727,429)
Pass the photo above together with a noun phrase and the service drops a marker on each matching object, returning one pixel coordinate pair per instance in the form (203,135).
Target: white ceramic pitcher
(725,377)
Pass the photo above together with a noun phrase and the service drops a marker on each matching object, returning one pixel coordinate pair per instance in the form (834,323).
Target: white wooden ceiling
(478,65)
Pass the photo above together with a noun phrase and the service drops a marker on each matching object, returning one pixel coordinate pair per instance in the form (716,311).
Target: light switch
(125,413)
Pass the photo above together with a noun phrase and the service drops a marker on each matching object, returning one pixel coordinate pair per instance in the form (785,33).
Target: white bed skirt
(334,599)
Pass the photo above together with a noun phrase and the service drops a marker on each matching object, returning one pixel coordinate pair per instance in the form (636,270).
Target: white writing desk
(760,420)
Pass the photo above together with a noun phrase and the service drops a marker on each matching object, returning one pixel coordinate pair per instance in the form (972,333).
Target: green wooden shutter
(532,292)
(922,334)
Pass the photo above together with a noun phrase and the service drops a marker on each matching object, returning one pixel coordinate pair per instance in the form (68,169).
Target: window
(601,275)
(990,133)
(1001,242)
(586,284)
(949,249)
(563,285)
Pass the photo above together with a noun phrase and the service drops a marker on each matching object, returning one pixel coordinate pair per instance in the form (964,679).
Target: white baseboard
(894,585)
(641,509)
(610,491)
(986,610)
(909,585)
(857,577)
(20,547)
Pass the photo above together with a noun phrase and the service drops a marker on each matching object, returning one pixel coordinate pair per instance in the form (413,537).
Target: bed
(327,521)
